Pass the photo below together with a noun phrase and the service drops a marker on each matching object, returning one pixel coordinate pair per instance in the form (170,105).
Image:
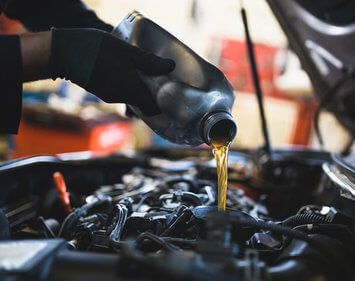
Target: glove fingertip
(169,65)
(161,66)
(153,65)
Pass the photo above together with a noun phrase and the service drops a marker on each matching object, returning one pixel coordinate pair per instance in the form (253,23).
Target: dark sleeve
(41,15)
(10,84)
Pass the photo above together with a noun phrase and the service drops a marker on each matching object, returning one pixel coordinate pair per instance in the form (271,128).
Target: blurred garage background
(60,117)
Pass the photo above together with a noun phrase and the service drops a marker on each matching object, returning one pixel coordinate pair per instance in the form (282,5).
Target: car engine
(153,216)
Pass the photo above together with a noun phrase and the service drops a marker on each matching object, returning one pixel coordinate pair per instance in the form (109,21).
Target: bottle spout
(219,127)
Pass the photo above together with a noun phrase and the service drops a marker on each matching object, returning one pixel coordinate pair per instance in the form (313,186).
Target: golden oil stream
(220,152)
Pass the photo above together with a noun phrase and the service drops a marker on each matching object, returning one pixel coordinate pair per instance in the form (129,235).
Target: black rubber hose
(184,196)
(310,218)
(157,240)
(71,220)
(332,257)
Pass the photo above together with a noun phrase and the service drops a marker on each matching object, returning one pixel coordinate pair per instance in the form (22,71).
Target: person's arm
(41,15)
(95,60)
(11,84)
(22,59)
(35,52)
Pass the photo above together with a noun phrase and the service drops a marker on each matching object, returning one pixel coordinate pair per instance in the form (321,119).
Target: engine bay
(153,216)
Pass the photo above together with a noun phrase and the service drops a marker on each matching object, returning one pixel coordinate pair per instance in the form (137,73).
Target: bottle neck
(218,127)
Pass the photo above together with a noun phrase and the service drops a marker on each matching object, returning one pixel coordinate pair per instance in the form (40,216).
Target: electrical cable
(141,201)
(158,240)
(122,213)
(70,221)
(306,218)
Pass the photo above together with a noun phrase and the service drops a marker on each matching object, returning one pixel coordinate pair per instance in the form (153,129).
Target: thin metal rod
(256,81)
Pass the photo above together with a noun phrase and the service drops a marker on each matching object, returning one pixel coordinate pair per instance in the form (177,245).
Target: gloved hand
(106,66)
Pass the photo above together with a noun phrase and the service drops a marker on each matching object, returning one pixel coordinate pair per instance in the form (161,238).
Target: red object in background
(233,61)
(102,138)
(63,194)
(9,26)
(302,131)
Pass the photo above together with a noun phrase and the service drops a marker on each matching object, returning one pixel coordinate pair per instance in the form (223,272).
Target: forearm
(11,83)
(95,60)
(35,51)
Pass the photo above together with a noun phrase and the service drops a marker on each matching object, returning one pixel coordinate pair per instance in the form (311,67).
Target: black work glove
(106,66)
